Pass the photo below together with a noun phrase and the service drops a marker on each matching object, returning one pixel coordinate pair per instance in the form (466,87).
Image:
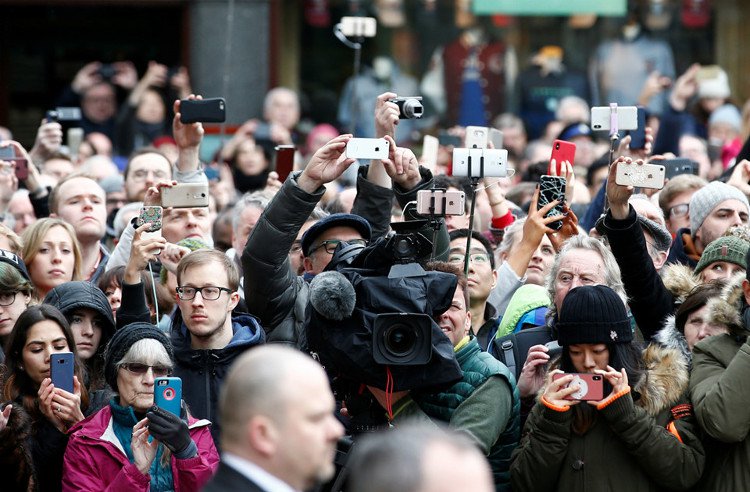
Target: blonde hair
(34,235)
(15,241)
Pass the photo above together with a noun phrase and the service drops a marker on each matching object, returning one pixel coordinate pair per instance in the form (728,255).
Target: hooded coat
(720,391)
(643,440)
(203,371)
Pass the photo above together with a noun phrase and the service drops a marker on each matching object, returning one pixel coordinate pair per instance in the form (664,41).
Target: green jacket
(627,448)
(720,390)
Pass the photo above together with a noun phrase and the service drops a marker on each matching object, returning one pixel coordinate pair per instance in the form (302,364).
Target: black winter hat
(593,314)
(14,260)
(79,294)
(121,342)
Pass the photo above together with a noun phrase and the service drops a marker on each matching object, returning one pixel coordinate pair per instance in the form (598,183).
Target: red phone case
(284,161)
(563,151)
(592,386)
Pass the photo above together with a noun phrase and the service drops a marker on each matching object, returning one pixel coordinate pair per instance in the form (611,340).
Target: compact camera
(409,107)
(63,114)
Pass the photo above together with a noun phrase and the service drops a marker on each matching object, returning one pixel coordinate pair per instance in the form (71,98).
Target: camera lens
(400,339)
(557,146)
(596,378)
(412,108)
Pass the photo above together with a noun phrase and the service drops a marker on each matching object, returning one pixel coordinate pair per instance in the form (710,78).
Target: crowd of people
(642,293)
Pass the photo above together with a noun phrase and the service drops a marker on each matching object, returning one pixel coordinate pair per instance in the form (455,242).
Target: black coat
(227,479)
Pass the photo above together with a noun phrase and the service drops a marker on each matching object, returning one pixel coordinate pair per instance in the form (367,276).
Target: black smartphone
(203,110)
(638,136)
(447,140)
(675,167)
(552,188)
(283,162)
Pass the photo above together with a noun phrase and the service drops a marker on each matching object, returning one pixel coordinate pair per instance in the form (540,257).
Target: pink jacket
(95,460)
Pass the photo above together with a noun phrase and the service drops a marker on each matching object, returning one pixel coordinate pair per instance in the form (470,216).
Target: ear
(53,215)
(660,259)
(262,435)
(234,299)
(307,264)
(467,322)
(746,290)
(494,279)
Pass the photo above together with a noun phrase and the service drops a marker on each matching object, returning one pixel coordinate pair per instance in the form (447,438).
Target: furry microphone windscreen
(332,296)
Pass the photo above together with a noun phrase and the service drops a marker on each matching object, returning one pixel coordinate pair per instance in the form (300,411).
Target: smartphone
(74,140)
(640,176)
(441,202)
(591,386)
(430,146)
(367,148)
(359,27)
(480,163)
(627,118)
(447,140)
(151,215)
(638,136)
(262,132)
(675,167)
(63,114)
(7,153)
(168,394)
(203,110)
(496,137)
(563,151)
(552,188)
(185,195)
(707,72)
(283,161)
(61,370)
(476,137)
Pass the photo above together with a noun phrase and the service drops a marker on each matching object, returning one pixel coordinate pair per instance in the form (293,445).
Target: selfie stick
(357,47)
(474,187)
(613,137)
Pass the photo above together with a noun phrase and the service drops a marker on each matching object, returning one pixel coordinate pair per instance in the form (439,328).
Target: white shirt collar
(261,477)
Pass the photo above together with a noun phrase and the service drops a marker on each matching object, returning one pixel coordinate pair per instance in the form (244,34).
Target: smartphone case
(640,175)
(284,161)
(61,370)
(675,167)
(552,188)
(477,137)
(591,386)
(563,151)
(638,136)
(151,215)
(627,118)
(185,195)
(203,110)
(480,163)
(168,394)
(367,148)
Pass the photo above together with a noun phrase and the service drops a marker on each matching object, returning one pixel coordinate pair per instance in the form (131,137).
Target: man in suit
(279,432)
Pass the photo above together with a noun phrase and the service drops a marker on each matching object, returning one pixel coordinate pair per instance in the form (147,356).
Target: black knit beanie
(593,314)
(123,339)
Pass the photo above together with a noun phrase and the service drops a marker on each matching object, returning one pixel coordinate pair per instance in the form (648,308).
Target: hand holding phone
(562,151)
(590,386)
(367,148)
(552,188)
(61,370)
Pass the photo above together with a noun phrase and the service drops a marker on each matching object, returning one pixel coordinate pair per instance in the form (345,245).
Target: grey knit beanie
(707,198)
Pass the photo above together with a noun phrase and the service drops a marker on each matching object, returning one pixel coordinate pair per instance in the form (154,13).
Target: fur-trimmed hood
(670,337)
(664,382)
(729,308)
(679,280)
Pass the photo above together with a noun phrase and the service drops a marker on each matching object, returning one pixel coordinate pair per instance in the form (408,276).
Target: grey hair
(318,213)
(120,222)
(393,459)
(612,273)
(645,198)
(256,199)
(147,351)
(276,91)
(510,236)
(578,104)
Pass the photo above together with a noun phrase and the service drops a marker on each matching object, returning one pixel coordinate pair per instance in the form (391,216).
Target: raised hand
(144,452)
(186,135)
(618,380)
(531,379)
(328,163)
(402,165)
(556,390)
(386,115)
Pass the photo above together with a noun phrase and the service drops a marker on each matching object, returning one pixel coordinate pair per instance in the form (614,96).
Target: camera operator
(273,291)
(485,403)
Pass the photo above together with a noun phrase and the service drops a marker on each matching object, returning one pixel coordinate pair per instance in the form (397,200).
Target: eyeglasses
(330,244)
(7,298)
(142,174)
(680,210)
(207,293)
(474,258)
(137,368)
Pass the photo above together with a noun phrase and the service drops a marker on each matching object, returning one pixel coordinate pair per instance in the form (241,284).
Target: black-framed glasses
(140,369)
(7,298)
(330,244)
(209,293)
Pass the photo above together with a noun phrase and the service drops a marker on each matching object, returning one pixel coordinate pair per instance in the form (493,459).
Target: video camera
(373,317)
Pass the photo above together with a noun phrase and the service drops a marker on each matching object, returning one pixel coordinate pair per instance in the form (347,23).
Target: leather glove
(169,429)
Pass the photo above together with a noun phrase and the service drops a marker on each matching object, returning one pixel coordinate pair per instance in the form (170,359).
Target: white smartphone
(365,27)
(430,147)
(640,175)
(480,163)
(476,137)
(441,202)
(496,137)
(601,117)
(367,148)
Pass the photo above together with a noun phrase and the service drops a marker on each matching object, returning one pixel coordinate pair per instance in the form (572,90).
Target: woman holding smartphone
(113,449)
(36,432)
(641,436)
